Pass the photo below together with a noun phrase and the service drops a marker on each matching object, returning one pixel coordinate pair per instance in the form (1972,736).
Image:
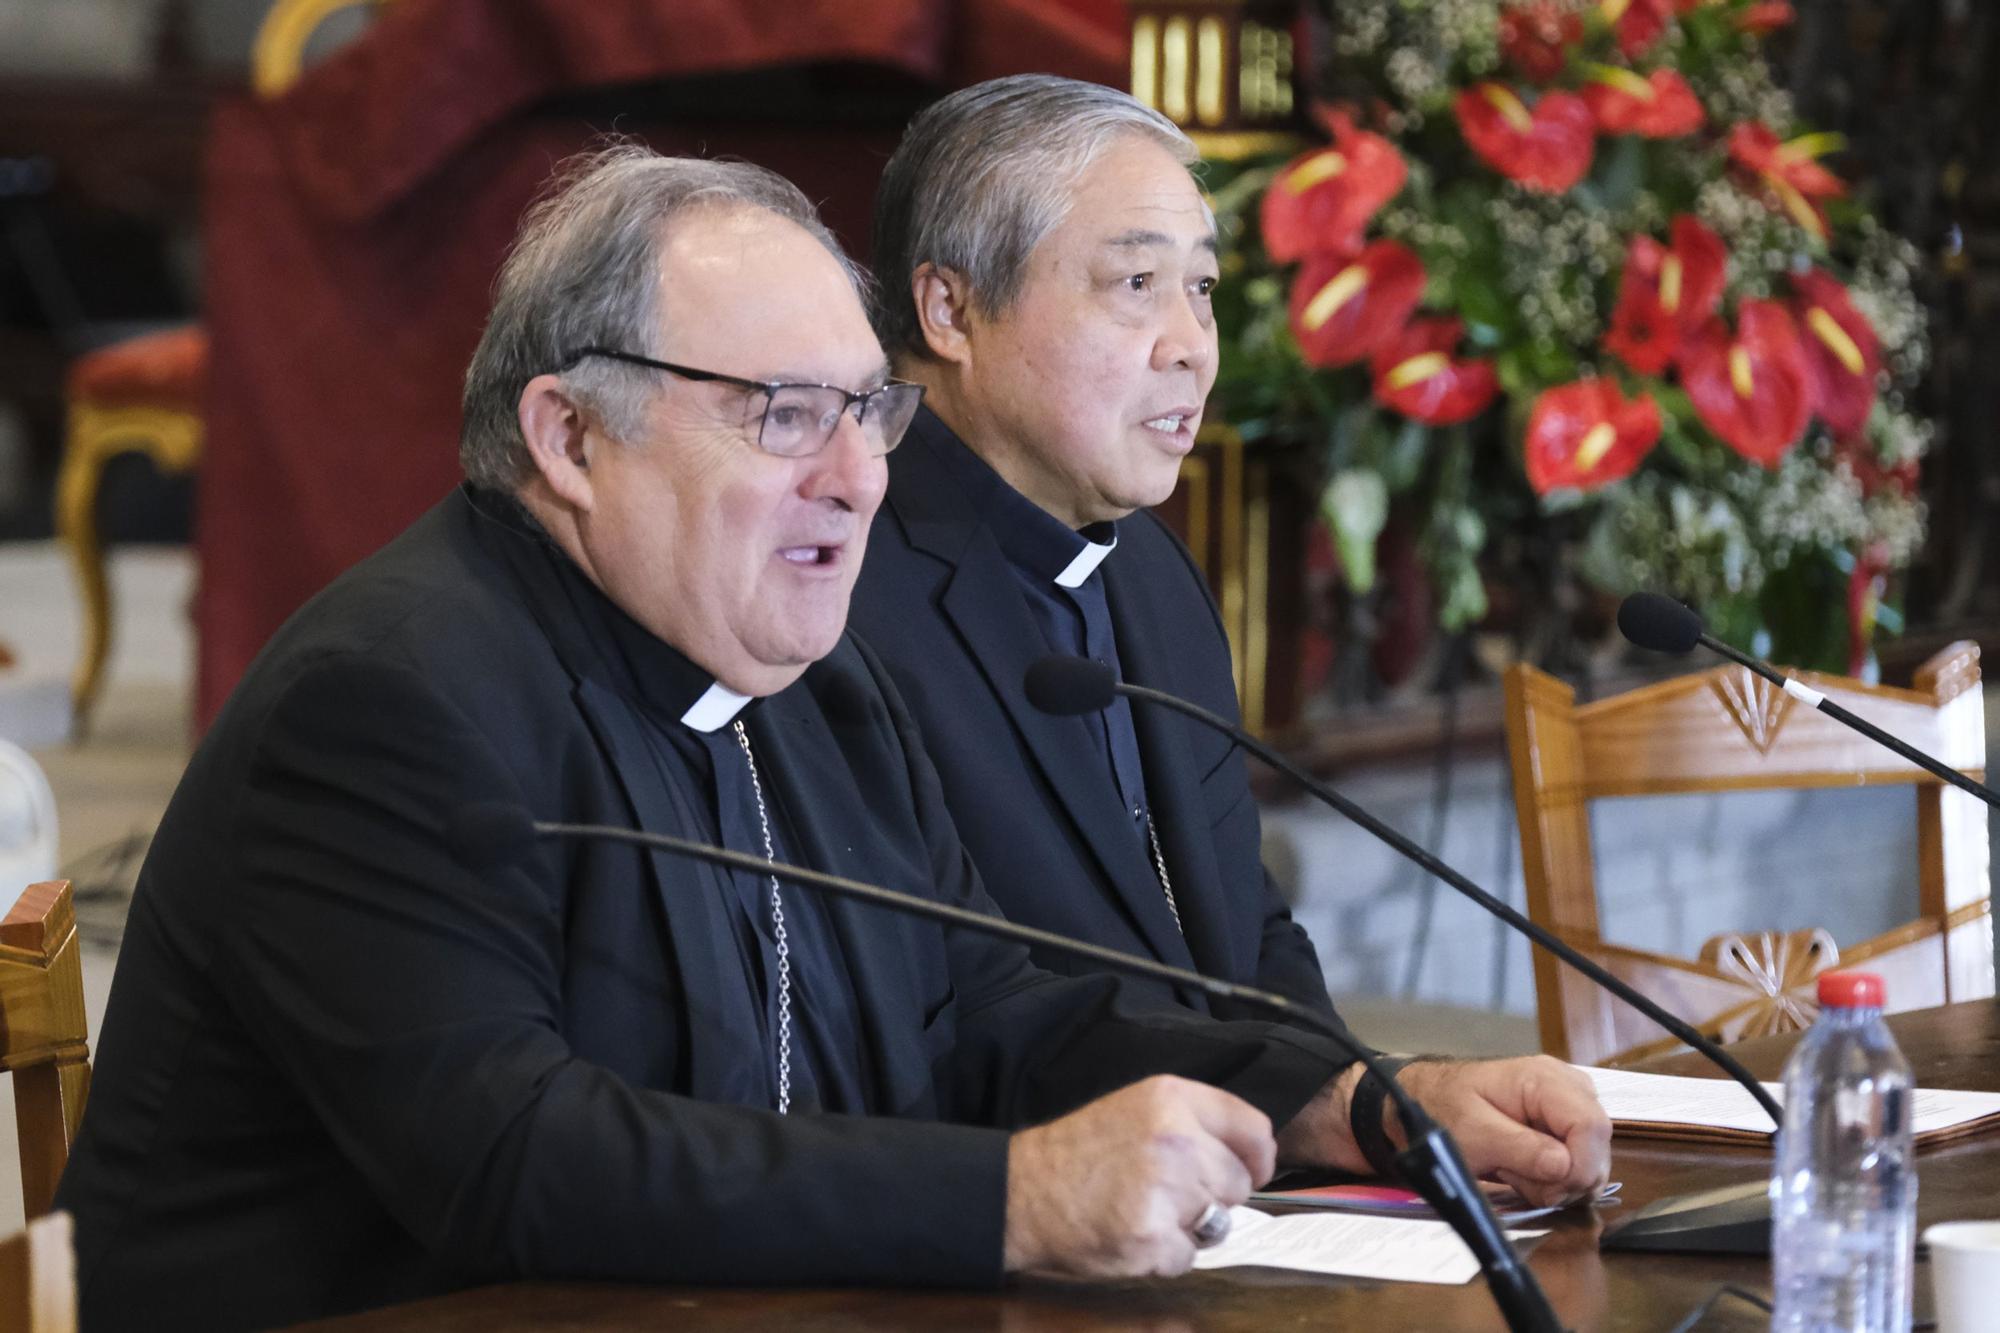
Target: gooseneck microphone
(1662,624)
(1078,685)
(486,835)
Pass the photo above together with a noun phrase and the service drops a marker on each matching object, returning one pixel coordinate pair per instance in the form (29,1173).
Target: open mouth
(809,555)
(1175,428)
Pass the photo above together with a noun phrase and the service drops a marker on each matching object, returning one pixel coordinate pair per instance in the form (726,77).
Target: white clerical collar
(1086,562)
(716,707)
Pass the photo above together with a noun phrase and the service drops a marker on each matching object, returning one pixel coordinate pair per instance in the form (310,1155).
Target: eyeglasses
(797,420)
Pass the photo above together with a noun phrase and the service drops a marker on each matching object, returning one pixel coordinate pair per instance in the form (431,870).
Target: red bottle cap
(1850,990)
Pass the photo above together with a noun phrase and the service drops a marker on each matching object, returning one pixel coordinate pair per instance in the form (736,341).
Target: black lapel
(987,609)
(1173,782)
(696,899)
(814,774)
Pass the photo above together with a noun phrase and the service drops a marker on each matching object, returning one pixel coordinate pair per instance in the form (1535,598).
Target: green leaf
(1460,587)
(1734,620)
(1403,461)
(1551,362)
(1241,194)
(1673,401)
(1685,446)
(1355,505)
(1517,377)
(1620,172)
(1480,299)
(1349,435)
(1804,608)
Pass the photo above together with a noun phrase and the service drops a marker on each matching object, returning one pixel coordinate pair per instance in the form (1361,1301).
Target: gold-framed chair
(44,1036)
(140,395)
(1724,730)
(144,394)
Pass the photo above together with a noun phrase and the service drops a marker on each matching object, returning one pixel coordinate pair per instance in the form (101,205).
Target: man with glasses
(1044,262)
(795,420)
(344,1066)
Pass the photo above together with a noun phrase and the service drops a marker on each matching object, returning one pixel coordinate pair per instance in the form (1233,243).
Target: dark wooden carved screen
(1915,87)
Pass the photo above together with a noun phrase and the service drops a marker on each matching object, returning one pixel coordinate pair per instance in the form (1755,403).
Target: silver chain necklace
(778,933)
(1160,864)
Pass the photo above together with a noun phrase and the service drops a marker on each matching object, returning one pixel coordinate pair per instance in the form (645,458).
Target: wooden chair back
(43,1040)
(1729,730)
(38,1278)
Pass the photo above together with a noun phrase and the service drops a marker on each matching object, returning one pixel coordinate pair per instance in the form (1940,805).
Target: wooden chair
(1728,730)
(144,394)
(38,1278)
(43,1039)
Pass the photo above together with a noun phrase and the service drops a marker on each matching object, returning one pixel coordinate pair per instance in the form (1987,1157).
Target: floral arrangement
(1572,267)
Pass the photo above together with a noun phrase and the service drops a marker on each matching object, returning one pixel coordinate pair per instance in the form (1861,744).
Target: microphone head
(487,834)
(1071,686)
(1659,623)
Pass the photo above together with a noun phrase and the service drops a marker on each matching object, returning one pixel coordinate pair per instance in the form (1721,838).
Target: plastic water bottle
(1844,1195)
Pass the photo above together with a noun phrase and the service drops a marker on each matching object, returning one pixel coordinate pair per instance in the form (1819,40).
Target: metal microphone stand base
(1735,1219)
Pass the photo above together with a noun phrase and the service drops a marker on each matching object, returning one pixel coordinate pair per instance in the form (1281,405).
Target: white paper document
(1720,1103)
(1711,1103)
(1393,1249)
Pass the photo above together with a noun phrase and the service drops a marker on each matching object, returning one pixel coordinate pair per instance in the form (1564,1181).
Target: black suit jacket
(340,1068)
(1032,797)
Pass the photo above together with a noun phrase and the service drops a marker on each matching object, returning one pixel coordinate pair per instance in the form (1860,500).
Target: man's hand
(1114,1189)
(1533,1123)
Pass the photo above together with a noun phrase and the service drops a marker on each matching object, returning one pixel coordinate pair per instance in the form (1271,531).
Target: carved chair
(144,394)
(43,1036)
(1728,730)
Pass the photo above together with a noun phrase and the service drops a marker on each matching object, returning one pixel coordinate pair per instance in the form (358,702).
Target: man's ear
(555,429)
(944,310)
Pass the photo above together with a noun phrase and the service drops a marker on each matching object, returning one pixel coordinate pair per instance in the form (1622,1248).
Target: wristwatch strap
(1364,1117)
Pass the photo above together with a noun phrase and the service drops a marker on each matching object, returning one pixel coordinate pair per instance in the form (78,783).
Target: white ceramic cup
(1965,1275)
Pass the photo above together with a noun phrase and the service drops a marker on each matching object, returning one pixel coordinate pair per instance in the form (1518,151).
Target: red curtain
(354,226)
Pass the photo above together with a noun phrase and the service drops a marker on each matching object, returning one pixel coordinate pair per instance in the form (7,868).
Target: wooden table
(1957,1046)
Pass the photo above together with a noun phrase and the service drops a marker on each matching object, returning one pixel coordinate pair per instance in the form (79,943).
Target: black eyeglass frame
(769,388)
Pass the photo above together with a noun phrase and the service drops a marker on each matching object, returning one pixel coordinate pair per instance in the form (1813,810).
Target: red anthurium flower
(1547,149)
(1659,107)
(1753,388)
(1665,294)
(1789,170)
(1343,309)
(1415,374)
(1842,351)
(1536,37)
(1586,435)
(1323,200)
(1638,23)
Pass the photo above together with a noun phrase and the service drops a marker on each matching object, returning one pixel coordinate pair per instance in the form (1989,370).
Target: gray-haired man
(1045,262)
(342,1067)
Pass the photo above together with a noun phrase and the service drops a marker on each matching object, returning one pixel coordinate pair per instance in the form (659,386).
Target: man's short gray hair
(584,272)
(982,176)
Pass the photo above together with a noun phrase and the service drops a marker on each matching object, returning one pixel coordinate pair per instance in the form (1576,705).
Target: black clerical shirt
(1057,567)
(693,742)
